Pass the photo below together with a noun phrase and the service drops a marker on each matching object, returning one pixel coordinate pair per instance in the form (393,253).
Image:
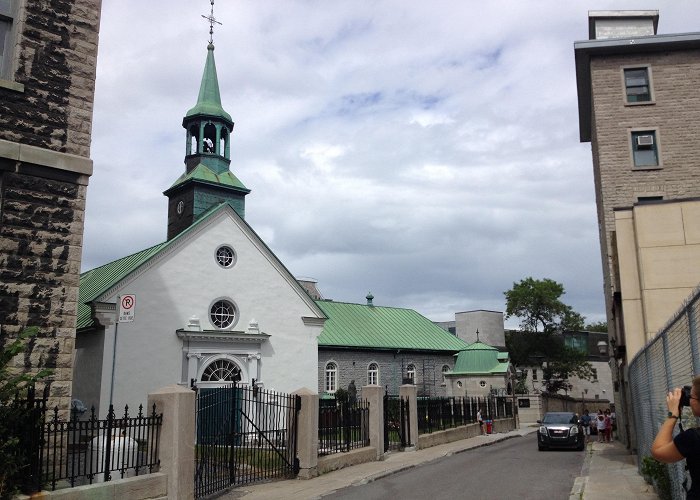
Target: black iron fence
(79,452)
(438,414)
(56,453)
(244,435)
(342,427)
(397,430)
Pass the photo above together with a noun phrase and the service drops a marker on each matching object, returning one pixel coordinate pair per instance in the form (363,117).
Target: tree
(543,317)
(599,326)
(538,305)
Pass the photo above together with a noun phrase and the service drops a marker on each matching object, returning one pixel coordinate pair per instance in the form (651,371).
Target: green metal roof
(480,358)
(363,326)
(209,99)
(203,173)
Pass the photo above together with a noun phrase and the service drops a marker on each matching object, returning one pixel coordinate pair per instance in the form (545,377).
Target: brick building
(638,107)
(48,54)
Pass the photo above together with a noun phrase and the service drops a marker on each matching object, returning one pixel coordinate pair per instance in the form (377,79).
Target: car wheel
(541,448)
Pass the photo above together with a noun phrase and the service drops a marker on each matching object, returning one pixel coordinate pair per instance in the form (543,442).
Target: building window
(221,370)
(445,371)
(331,377)
(534,374)
(645,151)
(222,314)
(373,374)
(578,342)
(637,86)
(411,373)
(649,199)
(225,256)
(482,383)
(595,373)
(7,18)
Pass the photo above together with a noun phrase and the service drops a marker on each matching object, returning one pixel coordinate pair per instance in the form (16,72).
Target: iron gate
(244,435)
(397,433)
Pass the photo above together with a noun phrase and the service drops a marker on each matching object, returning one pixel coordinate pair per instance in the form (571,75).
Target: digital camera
(685,398)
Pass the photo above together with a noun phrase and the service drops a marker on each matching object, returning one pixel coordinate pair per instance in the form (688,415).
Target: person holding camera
(686,444)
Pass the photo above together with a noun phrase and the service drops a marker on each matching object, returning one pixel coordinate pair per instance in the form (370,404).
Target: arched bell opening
(192,137)
(223,143)
(209,139)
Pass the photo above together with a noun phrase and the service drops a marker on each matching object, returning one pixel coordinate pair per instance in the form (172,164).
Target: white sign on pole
(127,304)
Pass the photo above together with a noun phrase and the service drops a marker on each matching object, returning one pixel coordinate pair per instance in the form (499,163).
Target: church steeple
(207,181)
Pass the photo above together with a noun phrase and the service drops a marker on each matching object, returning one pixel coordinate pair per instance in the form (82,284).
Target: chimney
(605,24)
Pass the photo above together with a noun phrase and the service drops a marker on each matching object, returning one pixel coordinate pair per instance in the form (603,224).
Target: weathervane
(211,20)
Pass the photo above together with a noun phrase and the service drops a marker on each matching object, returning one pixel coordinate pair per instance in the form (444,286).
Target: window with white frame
(222,314)
(373,374)
(445,371)
(411,373)
(221,370)
(225,256)
(331,384)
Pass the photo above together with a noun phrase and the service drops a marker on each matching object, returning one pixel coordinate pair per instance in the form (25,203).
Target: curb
(580,482)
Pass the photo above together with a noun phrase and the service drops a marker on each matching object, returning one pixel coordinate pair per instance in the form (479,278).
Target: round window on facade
(222,314)
(459,384)
(225,256)
(482,383)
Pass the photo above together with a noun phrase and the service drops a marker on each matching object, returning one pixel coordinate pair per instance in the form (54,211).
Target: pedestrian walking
(686,444)
(586,425)
(608,426)
(480,420)
(600,427)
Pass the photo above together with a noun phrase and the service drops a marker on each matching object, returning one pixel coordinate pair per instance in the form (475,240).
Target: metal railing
(79,452)
(343,427)
(439,414)
(669,360)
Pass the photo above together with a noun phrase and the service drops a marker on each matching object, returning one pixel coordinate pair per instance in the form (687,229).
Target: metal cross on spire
(211,20)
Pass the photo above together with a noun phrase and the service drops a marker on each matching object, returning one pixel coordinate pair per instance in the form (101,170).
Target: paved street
(509,469)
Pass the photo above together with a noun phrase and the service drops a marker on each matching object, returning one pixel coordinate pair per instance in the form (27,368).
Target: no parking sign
(127,303)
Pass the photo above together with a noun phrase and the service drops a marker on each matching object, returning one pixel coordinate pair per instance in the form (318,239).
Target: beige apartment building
(640,110)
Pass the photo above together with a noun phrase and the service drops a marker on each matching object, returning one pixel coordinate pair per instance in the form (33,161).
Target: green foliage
(13,417)
(538,305)
(656,473)
(599,326)
(543,318)
(341,395)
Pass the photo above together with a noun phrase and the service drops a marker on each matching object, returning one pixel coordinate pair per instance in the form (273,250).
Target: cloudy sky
(426,151)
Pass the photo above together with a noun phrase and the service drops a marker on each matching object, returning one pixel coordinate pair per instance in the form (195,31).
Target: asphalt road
(510,469)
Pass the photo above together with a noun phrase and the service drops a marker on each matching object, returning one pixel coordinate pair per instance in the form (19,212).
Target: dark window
(7,12)
(644,149)
(649,199)
(637,85)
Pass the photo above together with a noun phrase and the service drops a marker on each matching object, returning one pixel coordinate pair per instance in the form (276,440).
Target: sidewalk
(609,471)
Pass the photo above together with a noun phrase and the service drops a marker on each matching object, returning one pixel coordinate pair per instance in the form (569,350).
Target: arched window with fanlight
(373,374)
(331,380)
(445,371)
(221,371)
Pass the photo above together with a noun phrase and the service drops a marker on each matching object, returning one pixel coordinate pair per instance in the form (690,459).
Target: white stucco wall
(186,282)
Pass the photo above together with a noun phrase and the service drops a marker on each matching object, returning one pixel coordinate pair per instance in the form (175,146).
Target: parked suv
(560,430)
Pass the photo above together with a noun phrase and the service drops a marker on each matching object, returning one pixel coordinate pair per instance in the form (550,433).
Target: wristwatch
(671,415)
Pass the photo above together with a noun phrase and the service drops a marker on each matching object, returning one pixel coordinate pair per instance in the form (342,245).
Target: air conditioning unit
(645,140)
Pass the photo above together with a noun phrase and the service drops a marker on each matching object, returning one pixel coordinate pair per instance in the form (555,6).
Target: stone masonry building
(48,54)
(638,107)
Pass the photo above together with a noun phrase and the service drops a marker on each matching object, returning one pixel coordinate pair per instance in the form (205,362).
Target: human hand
(673,400)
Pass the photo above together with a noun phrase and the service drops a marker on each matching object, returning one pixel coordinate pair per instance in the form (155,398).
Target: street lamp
(602,347)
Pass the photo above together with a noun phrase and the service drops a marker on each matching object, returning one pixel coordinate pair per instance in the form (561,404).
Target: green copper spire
(209,100)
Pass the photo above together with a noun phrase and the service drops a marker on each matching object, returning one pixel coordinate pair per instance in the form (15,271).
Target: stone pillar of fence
(177,437)
(374,395)
(410,392)
(307,434)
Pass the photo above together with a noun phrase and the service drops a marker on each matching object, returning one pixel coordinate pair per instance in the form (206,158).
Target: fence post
(177,436)
(307,433)
(410,393)
(375,397)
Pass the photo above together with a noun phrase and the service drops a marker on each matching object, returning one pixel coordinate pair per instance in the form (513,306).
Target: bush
(18,417)
(656,473)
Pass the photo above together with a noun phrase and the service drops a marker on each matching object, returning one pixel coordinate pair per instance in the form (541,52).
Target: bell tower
(207,181)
